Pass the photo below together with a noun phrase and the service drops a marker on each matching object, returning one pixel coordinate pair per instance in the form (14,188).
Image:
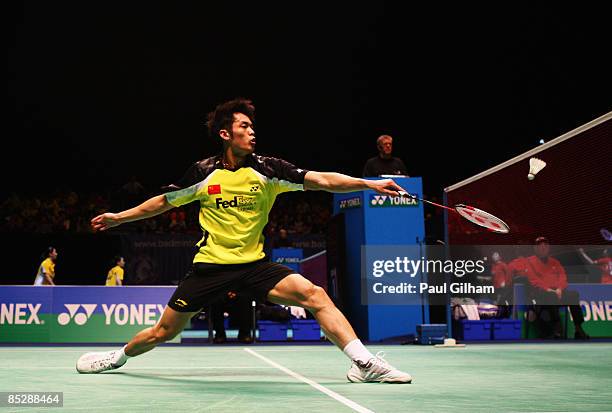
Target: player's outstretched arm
(149,208)
(335,182)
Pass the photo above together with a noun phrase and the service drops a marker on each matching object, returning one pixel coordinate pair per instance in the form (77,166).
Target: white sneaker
(376,370)
(98,362)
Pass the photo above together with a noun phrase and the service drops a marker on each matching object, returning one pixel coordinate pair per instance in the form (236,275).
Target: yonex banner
(377,201)
(93,314)
(596,303)
(289,257)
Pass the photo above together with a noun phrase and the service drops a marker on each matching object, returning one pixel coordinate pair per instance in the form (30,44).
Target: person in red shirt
(548,282)
(502,282)
(604,263)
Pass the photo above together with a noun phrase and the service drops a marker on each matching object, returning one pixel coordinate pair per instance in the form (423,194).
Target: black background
(98,92)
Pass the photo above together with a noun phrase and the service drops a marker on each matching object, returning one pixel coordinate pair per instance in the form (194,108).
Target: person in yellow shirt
(236,190)
(115,275)
(46,269)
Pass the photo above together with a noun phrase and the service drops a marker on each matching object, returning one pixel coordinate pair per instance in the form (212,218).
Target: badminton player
(236,190)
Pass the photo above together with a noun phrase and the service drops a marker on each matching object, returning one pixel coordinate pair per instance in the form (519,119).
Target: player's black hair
(223,115)
(47,252)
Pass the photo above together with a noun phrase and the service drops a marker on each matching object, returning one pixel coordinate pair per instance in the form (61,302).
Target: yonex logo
(378,200)
(17,313)
(288,259)
(80,318)
(350,203)
(392,201)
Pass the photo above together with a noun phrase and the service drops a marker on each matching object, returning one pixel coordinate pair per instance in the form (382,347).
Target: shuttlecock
(535,166)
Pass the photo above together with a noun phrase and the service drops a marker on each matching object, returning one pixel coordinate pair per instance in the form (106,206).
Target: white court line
(330,393)
(147,368)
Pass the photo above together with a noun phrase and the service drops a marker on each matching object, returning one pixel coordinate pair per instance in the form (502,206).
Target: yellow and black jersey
(234,205)
(45,267)
(111,278)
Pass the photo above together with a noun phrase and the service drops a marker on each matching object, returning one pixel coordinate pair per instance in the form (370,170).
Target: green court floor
(293,378)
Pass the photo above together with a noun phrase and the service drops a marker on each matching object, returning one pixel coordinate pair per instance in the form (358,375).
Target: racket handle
(406,194)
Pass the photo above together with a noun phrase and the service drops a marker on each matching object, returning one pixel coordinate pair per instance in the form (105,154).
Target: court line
(347,402)
(144,368)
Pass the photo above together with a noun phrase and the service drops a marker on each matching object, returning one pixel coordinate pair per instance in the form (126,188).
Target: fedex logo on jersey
(392,201)
(243,203)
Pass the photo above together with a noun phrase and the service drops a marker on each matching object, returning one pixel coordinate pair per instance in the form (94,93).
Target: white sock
(121,356)
(356,351)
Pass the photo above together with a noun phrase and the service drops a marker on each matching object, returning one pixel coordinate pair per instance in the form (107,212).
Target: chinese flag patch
(214,189)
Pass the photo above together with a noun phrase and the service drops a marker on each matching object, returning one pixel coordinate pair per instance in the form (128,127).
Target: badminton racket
(472,214)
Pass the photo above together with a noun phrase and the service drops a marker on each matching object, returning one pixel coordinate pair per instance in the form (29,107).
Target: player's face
(242,138)
(53,255)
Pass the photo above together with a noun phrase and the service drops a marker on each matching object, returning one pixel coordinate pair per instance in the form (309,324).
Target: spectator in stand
(177,221)
(283,240)
(548,282)
(604,263)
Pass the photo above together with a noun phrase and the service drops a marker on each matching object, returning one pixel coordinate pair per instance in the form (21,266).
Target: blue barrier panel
(596,304)
(72,314)
(26,314)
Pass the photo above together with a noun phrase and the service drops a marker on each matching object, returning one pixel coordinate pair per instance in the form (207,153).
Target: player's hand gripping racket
(475,215)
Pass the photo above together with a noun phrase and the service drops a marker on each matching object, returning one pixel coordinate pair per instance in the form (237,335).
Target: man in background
(385,163)
(240,310)
(548,282)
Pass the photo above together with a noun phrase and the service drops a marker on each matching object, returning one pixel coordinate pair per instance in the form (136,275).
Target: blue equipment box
(306,330)
(272,331)
(507,329)
(431,333)
(476,330)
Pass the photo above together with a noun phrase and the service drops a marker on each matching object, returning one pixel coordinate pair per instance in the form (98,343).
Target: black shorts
(207,283)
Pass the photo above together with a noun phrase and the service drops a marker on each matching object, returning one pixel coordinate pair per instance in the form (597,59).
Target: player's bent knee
(162,334)
(316,298)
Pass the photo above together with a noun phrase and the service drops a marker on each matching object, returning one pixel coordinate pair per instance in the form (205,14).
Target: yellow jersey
(112,274)
(234,205)
(45,267)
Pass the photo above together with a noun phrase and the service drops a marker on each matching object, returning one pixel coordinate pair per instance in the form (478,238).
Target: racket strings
(482,218)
